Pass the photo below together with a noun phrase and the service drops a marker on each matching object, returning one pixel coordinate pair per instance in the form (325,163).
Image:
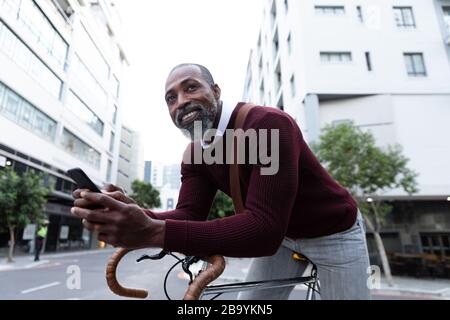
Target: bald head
(205,73)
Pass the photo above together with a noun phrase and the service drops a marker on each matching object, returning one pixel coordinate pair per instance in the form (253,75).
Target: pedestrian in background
(41,234)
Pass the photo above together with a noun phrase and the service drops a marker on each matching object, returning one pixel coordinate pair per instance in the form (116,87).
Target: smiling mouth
(189,117)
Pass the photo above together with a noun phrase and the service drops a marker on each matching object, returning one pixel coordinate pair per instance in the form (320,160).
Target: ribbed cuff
(150,214)
(176,236)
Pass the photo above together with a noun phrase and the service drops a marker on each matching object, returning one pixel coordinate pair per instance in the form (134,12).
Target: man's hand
(109,189)
(119,224)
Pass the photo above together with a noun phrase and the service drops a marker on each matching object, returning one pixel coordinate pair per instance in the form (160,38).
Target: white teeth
(188,115)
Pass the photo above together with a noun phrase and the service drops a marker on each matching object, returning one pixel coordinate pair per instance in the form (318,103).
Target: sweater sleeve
(196,196)
(259,230)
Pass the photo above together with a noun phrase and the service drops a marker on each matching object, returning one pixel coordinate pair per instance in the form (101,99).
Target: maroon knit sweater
(301,201)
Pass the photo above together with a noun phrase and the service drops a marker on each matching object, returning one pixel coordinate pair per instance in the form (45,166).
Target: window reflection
(23,113)
(16,50)
(80,149)
(84,113)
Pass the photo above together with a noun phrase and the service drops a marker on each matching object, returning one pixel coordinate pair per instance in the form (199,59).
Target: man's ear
(217,91)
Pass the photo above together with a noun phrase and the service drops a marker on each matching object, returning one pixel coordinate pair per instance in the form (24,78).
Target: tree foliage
(222,206)
(145,195)
(368,172)
(22,200)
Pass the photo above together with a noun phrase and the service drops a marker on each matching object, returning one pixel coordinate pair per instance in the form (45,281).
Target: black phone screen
(82,180)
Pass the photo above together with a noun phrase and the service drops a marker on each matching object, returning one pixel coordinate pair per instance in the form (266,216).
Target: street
(54,278)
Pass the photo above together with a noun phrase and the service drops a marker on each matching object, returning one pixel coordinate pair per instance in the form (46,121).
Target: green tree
(368,172)
(22,200)
(222,206)
(145,195)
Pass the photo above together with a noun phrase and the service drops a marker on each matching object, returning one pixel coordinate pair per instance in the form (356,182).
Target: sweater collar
(226,118)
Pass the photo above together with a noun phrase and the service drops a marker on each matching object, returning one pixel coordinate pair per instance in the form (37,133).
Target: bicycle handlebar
(112,282)
(212,272)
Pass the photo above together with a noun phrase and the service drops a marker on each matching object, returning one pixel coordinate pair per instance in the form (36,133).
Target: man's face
(191,99)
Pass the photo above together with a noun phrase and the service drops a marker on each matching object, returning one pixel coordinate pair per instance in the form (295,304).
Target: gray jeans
(342,263)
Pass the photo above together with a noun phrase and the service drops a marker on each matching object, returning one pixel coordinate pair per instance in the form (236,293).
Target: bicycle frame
(312,282)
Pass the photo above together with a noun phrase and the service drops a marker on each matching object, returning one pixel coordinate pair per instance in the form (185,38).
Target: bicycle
(200,283)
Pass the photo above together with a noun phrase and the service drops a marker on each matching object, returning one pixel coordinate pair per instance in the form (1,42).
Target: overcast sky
(161,34)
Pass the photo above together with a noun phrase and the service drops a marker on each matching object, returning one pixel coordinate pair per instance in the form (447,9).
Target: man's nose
(182,102)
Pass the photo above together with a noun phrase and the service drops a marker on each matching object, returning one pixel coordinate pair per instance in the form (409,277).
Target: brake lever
(187,263)
(158,256)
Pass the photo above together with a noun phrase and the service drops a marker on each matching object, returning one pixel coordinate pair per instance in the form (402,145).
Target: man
(300,208)
(40,237)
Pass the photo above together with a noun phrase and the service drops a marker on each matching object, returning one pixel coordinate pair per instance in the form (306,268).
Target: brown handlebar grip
(111,278)
(211,273)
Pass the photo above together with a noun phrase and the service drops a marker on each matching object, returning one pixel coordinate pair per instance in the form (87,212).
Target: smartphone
(82,180)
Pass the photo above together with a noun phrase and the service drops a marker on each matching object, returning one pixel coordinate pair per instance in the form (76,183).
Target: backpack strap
(235,184)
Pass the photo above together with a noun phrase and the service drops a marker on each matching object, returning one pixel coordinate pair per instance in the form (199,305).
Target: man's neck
(218,115)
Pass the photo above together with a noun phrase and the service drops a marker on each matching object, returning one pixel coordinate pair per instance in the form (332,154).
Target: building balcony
(65,10)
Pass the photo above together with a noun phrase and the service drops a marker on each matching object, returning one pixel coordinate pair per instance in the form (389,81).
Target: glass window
(404,17)
(34,22)
(293,87)
(368,61)
(12,105)
(111,142)
(109,171)
(289,42)
(22,56)
(68,187)
(2,94)
(59,184)
(446,11)
(116,87)
(23,113)
(114,118)
(59,51)
(330,10)
(92,57)
(81,150)
(336,57)
(360,14)
(9,8)
(85,76)
(436,243)
(445,241)
(16,50)
(82,111)
(26,114)
(415,64)
(8,43)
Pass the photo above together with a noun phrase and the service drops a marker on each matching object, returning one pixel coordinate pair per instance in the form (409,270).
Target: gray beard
(206,119)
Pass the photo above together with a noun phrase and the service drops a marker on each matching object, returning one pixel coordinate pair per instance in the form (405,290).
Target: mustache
(188,109)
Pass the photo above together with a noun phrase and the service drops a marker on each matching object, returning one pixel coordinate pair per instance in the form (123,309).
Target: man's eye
(191,88)
(170,99)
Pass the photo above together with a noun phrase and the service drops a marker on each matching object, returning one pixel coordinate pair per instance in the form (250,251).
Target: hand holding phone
(83,182)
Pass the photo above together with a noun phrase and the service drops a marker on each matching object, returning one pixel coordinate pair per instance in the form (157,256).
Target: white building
(385,65)
(167,179)
(163,174)
(131,159)
(60,68)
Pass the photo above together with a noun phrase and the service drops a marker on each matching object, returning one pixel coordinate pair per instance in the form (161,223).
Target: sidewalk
(22,262)
(425,287)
